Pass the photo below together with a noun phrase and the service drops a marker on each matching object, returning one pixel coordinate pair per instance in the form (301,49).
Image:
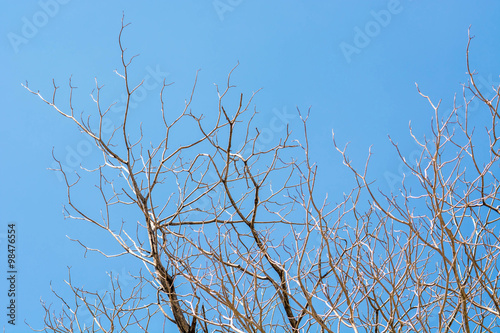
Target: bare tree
(235,239)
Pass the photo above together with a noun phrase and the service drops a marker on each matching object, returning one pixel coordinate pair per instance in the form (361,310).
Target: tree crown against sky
(234,235)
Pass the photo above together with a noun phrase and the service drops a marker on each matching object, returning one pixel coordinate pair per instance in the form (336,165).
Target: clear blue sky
(355,63)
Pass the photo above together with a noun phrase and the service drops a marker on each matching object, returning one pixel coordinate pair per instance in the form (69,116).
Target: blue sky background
(291,49)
